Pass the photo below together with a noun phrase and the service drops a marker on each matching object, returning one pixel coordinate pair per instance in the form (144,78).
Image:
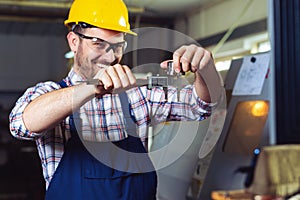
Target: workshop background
(34,48)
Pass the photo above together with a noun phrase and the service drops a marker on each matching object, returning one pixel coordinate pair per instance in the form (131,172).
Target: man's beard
(84,67)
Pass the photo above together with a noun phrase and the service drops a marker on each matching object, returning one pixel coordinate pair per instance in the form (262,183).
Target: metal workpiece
(171,71)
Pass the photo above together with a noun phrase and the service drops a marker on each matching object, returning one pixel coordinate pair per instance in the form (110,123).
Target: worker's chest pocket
(103,182)
(102,169)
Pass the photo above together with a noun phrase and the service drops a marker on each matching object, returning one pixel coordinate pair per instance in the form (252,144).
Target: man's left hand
(190,58)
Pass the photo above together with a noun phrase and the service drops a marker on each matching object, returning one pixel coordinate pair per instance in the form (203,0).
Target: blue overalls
(80,175)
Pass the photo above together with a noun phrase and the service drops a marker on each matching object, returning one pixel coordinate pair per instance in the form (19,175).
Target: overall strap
(73,118)
(129,120)
(62,84)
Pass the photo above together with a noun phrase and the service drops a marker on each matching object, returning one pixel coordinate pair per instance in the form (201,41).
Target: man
(63,118)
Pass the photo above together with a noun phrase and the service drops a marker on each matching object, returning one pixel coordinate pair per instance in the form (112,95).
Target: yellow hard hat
(107,14)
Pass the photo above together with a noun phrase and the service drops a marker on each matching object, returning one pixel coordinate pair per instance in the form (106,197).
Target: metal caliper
(171,78)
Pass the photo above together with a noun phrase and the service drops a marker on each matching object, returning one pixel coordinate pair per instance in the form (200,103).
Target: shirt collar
(74,77)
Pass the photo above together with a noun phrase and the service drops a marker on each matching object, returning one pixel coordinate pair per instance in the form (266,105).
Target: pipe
(61,5)
(42,4)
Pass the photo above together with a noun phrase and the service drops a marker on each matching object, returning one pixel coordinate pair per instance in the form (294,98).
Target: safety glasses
(100,46)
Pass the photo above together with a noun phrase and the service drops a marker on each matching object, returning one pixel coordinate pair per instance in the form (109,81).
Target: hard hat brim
(67,22)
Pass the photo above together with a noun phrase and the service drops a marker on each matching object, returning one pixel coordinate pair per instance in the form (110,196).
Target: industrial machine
(248,125)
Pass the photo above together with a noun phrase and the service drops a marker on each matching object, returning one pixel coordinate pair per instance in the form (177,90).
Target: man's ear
(73,41)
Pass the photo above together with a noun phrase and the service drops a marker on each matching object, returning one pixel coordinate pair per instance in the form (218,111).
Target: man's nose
(109,56)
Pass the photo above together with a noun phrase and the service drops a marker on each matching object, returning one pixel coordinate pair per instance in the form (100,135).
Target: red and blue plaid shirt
(102,118)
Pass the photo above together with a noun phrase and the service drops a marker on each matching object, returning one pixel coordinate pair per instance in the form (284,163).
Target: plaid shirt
(102,118)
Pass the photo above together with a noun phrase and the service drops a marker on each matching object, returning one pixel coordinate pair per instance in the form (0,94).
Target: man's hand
(115,79)
(190,58)
(198,60)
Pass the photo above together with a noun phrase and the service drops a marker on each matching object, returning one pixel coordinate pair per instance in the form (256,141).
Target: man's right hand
(115,79)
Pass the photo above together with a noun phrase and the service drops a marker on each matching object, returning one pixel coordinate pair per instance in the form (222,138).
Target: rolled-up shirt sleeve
(190,107)
(155,108)
(17,126)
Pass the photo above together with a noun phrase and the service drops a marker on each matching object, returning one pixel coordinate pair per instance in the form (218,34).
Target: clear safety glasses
(99,45)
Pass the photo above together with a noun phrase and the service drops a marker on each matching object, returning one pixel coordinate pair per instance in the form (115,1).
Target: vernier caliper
(171,78)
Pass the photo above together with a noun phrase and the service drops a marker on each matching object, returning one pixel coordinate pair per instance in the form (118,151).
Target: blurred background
(34,48)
